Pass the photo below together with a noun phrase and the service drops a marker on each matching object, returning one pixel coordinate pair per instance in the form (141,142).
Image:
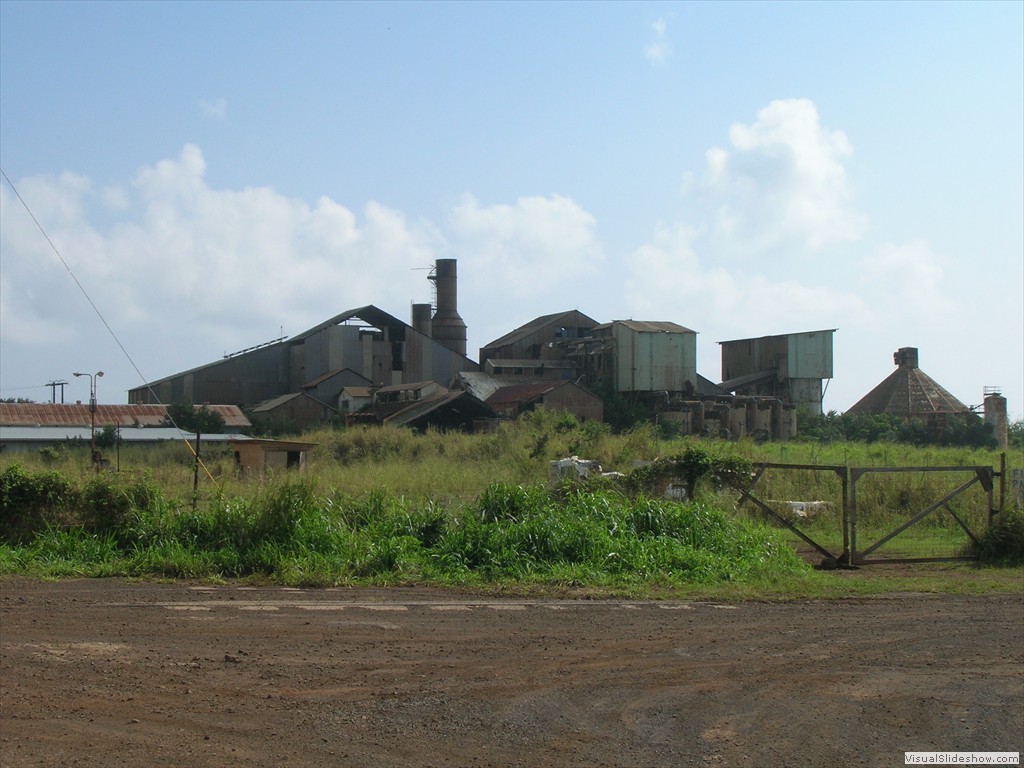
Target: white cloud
(770,242)
(658,50)
(528,249)
(186,272)
(777,197)
(668,280)
(907,280)
(781,186)
(214,109)
(222,263)
(23,321)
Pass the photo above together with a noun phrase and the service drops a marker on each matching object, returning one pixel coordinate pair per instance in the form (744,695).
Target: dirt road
(107,673)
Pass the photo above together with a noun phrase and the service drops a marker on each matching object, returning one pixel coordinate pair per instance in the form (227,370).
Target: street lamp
(92,408)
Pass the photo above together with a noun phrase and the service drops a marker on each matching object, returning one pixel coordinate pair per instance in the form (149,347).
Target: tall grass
(387,505)
(294,532)
(455,466)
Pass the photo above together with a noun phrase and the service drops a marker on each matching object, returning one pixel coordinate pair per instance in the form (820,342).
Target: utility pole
(53,390)
(92,410)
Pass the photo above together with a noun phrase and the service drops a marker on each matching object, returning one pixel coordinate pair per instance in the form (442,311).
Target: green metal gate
(927,528)
(884,514)
(824,533)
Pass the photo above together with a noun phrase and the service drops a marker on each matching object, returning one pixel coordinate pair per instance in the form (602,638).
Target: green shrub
(108,502)
(53,454)
(1003,542)
(30,503)
(692,467)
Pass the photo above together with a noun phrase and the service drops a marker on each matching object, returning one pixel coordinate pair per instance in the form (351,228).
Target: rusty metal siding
(383,350)
(806,392)
(577,401)
(743,357)
(80,415)
(417,363)
(532,340)
(810,355)
(805,355)
(653,361)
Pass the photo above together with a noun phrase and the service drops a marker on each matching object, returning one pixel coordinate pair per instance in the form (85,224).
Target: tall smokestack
(448,328)
(421,318)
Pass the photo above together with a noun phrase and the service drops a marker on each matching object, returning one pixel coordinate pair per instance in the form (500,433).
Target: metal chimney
(421,318)
(448,328)
(905,357)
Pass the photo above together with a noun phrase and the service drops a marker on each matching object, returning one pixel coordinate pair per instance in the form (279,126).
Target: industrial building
(655,362)
(913,395)
(635,356)
(910,393)
(424,405)
(514,400)
(302,378)
(543,339)
(365,365)
(790,367)
(30,426)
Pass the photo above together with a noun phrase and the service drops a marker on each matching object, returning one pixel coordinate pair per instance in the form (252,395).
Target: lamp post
(92,408)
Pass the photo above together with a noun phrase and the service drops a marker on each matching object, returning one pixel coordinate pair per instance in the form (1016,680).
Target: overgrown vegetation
(1003,542)
(966,430)
(293,532)
(384,505)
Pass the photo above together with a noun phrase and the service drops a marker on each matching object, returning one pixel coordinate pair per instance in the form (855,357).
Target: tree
(1015,433)
(188,417)
(107,437)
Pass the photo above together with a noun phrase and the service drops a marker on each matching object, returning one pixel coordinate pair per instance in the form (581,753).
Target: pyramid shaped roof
(908,391)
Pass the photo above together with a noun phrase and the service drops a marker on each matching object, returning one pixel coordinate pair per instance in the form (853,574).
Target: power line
(92,304)
(81,288)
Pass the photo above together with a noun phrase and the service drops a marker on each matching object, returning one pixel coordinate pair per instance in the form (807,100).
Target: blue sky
(215,174)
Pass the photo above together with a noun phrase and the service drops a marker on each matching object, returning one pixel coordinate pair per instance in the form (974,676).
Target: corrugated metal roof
(275,402)
(428,405)
(780,335)
(480,385)
(413,386)
(77,414)
(418,408)
(654,326)
(518,393)
(908,392)
(369,314)
(501,362)
(534,325)
(282,445)
(357,391)
(330,375)
(127,434)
